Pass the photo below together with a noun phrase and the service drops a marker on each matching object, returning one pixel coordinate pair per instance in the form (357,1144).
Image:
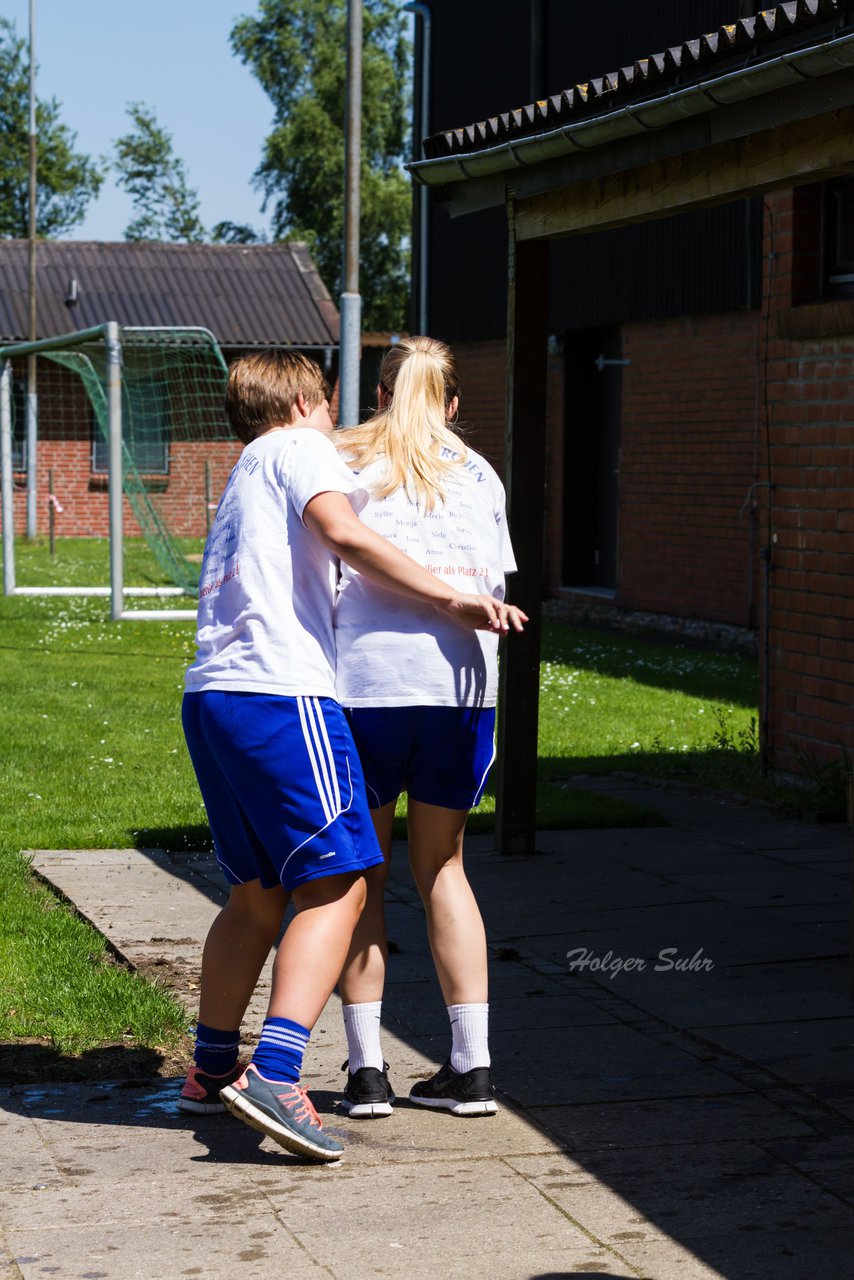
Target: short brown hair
(263,387)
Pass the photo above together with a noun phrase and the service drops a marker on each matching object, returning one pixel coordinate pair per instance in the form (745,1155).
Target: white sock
(470,1031)
(362,1025)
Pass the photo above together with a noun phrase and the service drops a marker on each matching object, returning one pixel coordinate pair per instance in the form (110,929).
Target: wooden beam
(525,475)
(785,156)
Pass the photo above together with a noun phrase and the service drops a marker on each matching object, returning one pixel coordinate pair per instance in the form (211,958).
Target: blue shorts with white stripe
(282,786)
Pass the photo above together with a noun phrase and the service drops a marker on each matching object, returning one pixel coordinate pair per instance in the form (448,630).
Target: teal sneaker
(281,1110)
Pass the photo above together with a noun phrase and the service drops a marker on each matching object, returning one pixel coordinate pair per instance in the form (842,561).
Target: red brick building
(246,295)
(681,233)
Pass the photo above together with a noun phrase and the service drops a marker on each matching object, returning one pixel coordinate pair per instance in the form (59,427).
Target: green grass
(91,741)
(85,562)
(60,982)
(615,702)
(93,756)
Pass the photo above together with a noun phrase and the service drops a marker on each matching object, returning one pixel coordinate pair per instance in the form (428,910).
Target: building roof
(247,295)
(757,55)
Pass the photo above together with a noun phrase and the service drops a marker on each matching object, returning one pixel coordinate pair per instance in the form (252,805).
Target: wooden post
(208,495)
(851,913)
(525,475)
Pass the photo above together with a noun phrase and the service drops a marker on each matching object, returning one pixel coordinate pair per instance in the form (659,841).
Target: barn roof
(247,295)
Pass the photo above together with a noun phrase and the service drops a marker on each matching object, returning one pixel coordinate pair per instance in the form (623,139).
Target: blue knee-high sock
(280,1050)
(216,1051)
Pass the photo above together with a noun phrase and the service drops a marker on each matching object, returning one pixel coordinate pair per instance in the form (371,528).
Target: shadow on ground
(697,1120)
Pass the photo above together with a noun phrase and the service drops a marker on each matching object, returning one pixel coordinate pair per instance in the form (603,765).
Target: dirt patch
(179,976)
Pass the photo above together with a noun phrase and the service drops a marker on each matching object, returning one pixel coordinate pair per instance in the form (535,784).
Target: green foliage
(67,180)
(830,779)
(165,206)
(236,233)
(297,50)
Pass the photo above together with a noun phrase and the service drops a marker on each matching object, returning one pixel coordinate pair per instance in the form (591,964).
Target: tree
(67,180)
(236,233)
(297,50)
(166,207)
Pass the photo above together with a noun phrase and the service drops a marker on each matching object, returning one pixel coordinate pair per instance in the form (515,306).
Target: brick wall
(65,449)
(689,445)
(810,388)
(483,412)
(178,499)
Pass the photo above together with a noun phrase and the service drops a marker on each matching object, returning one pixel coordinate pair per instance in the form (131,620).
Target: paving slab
(600,1064)
(761,887)
(746,994)
(742,1211)
(827,1158)
(508,1229)
(804,1052)
(674,1126)
(683,1122)
(119,1236)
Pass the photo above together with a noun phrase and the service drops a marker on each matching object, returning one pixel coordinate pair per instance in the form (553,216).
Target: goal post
(155,412)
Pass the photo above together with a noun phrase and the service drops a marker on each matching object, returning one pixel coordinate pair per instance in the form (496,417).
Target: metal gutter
(653,114)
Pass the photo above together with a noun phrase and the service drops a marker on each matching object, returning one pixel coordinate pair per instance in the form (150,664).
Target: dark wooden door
(594,366)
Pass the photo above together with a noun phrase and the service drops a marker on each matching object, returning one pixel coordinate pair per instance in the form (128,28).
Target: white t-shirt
(394,653)
(267,584)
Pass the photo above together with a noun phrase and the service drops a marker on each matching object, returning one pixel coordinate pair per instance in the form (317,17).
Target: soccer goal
(133,447)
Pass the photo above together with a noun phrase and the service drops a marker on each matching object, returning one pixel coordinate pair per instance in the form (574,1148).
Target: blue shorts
(282,786)
(439,755)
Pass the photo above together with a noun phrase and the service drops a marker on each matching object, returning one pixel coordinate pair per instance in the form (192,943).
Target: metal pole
(51,514)
(32,390)
(351,302)
(114,408)
(423,12)
(8,500)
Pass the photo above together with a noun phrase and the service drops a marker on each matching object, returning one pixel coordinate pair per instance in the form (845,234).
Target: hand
(485,613)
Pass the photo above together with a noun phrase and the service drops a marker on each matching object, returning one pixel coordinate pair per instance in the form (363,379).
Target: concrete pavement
(672,1042)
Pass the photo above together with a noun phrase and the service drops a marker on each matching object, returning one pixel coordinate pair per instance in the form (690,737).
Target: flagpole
(32,390)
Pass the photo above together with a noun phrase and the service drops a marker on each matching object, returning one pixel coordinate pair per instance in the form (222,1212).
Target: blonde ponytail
(419,378)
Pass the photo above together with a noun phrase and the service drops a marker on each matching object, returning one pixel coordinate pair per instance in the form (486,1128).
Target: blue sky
(96,56)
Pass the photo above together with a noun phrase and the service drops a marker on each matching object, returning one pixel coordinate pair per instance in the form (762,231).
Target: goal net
(150,480)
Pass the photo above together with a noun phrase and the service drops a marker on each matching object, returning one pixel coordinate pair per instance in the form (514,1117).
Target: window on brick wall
(839,238)
(19,424)
(145,431)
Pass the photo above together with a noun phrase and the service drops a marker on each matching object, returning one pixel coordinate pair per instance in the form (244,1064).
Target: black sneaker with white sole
(368,1093)
(464,1093)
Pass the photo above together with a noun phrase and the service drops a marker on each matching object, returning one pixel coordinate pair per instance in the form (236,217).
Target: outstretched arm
(330,518)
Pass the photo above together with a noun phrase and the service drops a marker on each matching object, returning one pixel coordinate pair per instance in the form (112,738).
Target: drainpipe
(422,130)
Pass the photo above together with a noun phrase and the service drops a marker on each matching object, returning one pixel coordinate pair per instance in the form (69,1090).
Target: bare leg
(454,924)
(236,949)
(363,976)
(312,952)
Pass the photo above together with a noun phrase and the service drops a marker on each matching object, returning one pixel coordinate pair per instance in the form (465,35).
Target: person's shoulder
(483,468)
(299,442)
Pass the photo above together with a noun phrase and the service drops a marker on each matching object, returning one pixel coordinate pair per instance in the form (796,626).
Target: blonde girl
(420,697)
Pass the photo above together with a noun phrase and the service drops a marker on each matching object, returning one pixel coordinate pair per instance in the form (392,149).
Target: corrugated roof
(247,295)
(738,44)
